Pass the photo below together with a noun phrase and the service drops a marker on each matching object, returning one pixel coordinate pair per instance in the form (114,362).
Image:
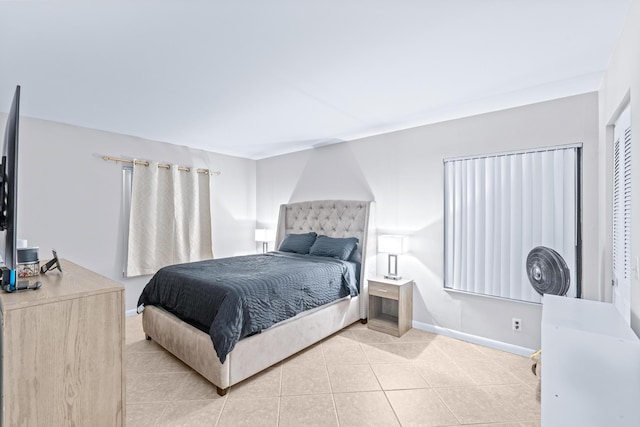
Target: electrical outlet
(516,324)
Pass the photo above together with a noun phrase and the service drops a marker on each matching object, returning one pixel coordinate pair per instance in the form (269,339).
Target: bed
(250,355)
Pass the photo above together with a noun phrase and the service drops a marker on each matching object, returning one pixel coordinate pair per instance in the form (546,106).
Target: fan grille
(547,271)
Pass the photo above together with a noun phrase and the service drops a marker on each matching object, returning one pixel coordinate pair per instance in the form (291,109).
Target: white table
(590,365)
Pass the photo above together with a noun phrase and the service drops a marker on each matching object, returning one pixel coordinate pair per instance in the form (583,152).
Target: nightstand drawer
(383,290)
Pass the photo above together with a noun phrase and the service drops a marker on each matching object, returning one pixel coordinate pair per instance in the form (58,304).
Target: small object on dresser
(53,264)
(8,279)
(28,264)
(10,284)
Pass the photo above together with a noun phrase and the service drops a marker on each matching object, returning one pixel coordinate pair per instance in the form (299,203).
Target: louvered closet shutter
(622,215)
(498,208)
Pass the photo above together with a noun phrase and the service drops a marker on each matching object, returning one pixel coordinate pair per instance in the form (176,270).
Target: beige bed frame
(334,218)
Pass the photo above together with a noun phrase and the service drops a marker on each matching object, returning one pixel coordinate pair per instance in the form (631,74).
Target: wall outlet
(516,324)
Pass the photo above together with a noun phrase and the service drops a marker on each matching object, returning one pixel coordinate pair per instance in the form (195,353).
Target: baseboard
(498,345)
(130,313)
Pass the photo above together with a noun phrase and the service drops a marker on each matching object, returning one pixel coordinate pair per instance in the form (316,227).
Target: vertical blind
(498,208)
(621,261)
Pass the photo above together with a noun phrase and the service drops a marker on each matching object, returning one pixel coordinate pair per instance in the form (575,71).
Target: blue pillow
(334,247)
(298,243)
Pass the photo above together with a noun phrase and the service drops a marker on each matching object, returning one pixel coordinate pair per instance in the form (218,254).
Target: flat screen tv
(9,185)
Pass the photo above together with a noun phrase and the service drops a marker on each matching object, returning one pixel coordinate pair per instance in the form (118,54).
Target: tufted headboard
(335,218)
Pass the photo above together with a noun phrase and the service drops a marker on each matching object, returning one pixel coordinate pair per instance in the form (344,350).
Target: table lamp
(394,246)
(265,236)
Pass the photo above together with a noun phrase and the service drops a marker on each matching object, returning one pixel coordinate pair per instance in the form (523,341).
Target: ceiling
(260,78)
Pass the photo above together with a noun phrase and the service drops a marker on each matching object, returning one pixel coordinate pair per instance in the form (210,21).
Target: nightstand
(390,305)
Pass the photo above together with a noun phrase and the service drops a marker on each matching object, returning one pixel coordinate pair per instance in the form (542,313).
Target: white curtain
(170,221)
(498,208)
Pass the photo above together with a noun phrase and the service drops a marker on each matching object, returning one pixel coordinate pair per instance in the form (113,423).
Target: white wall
(70,199)
(621,84)
(403,172)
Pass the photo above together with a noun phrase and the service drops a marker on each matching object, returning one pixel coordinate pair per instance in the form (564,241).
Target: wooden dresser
(62,349)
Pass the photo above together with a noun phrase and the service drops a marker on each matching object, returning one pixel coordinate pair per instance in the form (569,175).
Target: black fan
(547,271)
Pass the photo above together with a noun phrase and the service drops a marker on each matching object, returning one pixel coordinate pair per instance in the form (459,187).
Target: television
(9,184)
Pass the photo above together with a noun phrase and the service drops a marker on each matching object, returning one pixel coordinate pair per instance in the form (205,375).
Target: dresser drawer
(383,290)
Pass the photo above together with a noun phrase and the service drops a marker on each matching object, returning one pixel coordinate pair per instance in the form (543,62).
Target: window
(499,207)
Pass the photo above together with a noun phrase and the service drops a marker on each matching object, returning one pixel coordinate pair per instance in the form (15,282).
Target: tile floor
(356,377)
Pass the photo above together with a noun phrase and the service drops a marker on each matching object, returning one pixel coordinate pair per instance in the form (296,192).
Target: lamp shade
(391,244)
(265,235)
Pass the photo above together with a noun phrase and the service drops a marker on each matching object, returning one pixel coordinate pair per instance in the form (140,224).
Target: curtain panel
(498,208)
(170,220)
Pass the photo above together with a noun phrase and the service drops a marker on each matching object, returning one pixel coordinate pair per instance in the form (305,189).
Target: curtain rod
(160,165)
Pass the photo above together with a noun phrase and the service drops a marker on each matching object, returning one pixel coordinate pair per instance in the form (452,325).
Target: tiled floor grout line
(279,402)
(161,414)
(333,397)
(224,405)
(384,392)
(495,400)
(447,406)
(395,414)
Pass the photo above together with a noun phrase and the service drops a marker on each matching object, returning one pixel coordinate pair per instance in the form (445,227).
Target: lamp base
(392,277)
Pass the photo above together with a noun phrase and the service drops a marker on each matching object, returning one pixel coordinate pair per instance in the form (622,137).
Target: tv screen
(9,187)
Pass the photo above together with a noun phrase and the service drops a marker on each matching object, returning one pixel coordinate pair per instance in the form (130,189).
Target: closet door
(622,214)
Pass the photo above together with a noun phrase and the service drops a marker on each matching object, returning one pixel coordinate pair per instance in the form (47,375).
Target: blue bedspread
(232,298)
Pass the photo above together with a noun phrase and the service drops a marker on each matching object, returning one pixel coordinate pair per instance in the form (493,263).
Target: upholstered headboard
(335,218)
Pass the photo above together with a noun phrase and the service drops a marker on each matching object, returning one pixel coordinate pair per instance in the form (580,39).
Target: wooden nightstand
(390,305)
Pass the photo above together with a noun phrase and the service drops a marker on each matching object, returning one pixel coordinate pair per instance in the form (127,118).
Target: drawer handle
(381,290)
